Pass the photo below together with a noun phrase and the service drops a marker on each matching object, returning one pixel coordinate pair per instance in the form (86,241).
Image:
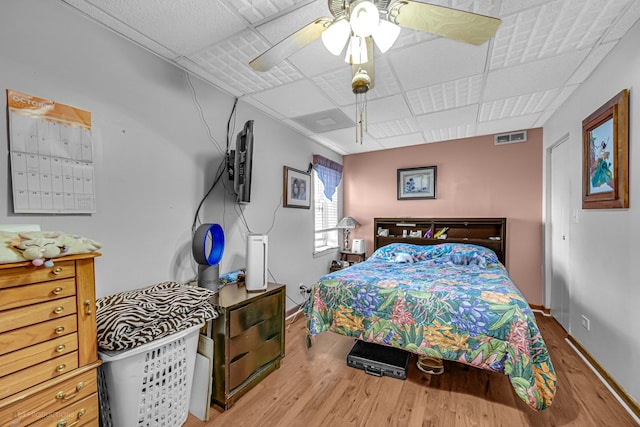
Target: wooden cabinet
(488,232)
(48,344)
(248,339)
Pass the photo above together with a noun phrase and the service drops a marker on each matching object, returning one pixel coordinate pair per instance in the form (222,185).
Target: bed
(453,301)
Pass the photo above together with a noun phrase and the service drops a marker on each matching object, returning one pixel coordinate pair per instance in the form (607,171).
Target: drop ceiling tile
(547,73)
(445,96)
(382,109)
(229,62)
(552,28)
(453,132)
(314,60)
(301,13)
(183,27)
(624,23)
(564,94)
(507,125)
(402,140)
(393,128)
(448,118)
(336,85)
(436,62)
(295,99)
(385,82)
(517,105)
(512,6)
(255,11)
(590,63)
(346,139)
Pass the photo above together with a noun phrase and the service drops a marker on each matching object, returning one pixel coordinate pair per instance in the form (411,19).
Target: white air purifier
(256,275)
(357,246)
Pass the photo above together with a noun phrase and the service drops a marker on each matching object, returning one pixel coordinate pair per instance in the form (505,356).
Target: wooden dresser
(48,344)
(248,339)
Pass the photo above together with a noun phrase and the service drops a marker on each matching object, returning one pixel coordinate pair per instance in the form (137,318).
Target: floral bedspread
(451,301)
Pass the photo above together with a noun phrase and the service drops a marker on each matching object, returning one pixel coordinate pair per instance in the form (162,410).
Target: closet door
(560,219)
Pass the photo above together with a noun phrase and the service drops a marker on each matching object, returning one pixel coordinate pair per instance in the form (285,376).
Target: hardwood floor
(315,387)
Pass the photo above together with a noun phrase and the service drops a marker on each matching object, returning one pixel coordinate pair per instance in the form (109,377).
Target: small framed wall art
(605,155)
(417,183)
(297,188)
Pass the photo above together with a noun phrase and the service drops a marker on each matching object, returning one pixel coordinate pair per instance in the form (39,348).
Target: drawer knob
(60,348)
(63,423)
(61,367)
(61,395)
(57,290)
(58,309)
(57,270)
(59,330)
(87,307)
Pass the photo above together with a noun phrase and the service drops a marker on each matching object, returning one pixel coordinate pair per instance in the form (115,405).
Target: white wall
(153,158)
(604,267)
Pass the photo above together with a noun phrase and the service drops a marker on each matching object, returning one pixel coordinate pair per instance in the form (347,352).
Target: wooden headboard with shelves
(487,232)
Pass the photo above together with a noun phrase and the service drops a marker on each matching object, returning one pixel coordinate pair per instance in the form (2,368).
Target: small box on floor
(379,360)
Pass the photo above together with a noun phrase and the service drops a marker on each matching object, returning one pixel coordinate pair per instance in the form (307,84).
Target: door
(560,217)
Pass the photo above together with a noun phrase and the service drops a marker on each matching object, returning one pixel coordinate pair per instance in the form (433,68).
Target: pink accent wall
(475,178)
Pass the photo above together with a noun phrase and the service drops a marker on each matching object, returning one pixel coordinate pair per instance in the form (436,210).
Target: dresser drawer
(82,413)
(15,276)
(24,379)
(245,317)
(244,366)
(40,332)
(50,400)
(21,359)
(21,296)
(36,313)
(255,336)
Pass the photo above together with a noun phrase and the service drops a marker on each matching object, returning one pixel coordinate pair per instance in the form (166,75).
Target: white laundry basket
(150,385)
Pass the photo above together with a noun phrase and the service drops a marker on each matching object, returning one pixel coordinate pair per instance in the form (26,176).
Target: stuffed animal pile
(40,247)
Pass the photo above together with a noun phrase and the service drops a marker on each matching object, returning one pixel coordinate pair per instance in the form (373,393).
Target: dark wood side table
(248,339)
(350,257)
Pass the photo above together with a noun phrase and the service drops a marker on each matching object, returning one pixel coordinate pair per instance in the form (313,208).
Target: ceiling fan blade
(443,21)
(287,47)
(367,66)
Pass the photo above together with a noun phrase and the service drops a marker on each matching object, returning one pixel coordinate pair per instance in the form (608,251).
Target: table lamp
(347,223)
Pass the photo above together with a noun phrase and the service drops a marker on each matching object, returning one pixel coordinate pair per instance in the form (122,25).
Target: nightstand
(248,339)
(350,257)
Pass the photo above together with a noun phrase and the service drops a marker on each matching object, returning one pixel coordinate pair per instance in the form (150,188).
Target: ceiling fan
(358,22)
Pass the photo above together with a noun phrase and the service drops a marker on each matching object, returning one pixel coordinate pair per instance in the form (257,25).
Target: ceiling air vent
(510,138)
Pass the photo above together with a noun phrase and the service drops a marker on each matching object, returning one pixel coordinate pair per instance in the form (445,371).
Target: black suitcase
(379,360)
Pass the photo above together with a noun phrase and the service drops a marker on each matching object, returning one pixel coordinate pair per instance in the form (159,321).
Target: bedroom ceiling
(427,89)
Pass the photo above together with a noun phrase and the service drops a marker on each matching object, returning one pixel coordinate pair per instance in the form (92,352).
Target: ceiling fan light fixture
(385,35)
(335,37)
(356,51)
(364,18)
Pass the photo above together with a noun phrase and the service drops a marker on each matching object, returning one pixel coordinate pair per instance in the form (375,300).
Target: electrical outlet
(584,320)
(303,289)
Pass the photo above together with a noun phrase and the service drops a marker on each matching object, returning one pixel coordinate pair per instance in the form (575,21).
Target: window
(325,216)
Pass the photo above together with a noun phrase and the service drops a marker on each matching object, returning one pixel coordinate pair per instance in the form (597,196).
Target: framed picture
(605,155)
(297,189)
(417,183)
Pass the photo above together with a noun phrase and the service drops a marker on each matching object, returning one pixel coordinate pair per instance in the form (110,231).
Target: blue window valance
(329,172)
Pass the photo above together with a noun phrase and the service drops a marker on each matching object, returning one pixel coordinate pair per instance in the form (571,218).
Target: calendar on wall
(51,155)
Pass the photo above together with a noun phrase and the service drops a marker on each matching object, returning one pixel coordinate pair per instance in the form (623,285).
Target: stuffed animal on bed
(403,257)
(40,250)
